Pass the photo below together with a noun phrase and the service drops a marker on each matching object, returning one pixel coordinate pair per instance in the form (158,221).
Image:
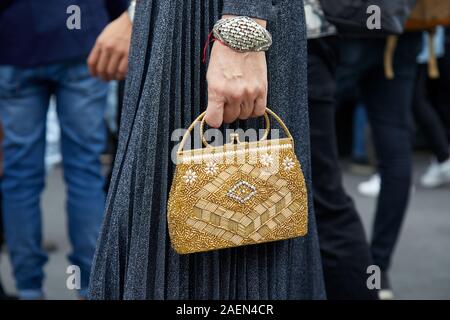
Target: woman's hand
(237,85)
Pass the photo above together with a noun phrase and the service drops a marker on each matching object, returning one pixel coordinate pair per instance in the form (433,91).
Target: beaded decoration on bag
(241,193)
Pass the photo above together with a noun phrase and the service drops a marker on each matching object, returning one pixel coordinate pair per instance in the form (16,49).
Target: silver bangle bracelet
(242,34)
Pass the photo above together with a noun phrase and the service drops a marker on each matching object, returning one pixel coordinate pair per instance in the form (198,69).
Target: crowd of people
(39,60)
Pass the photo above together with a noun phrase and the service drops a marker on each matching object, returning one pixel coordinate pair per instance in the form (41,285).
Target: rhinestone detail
(242,34)
(242,192)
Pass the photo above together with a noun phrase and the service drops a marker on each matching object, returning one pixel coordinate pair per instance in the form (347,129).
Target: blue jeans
(359,147)
(24,100)
(389,105)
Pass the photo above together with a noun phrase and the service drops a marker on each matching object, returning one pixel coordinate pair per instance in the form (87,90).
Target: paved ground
(421,268)
(421,265)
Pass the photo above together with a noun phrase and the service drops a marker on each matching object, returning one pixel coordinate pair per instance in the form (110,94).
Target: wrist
(125,19)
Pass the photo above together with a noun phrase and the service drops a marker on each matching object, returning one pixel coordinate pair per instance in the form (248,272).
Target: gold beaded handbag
(241,193)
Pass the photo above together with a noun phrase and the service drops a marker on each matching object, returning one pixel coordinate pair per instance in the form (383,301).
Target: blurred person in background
(388,105)
(343,244)
(3,295)
(427,117)
(43,56)
(109,60)
(442,98)
(424,106)
(365,55)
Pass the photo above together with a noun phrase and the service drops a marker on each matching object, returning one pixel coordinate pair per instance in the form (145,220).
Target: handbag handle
(201,119)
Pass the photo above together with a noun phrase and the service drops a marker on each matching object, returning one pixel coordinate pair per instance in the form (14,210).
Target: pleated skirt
(166,90)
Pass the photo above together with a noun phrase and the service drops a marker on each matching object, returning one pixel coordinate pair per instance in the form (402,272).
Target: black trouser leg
(427,117)
(344,248)
(443,87)
(388,104)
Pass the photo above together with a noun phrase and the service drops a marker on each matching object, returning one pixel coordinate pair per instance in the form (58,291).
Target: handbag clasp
(234,138)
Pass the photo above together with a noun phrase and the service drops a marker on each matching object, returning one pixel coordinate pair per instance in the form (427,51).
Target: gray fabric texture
(165,90)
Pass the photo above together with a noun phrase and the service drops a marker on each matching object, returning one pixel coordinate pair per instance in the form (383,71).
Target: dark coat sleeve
(116,7)
(262,9)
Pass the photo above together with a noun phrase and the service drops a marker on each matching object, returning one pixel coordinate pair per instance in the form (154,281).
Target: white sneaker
(437,175)
(385,294)
(371,187)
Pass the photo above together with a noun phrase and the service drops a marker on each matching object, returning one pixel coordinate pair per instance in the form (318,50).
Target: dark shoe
(385,292)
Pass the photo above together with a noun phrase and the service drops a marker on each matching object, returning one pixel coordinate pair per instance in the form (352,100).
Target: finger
(246,109)
(113,65)
(103,64)
(93,60)
(260,106)
(123,68)
(214,113)
(231,112)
